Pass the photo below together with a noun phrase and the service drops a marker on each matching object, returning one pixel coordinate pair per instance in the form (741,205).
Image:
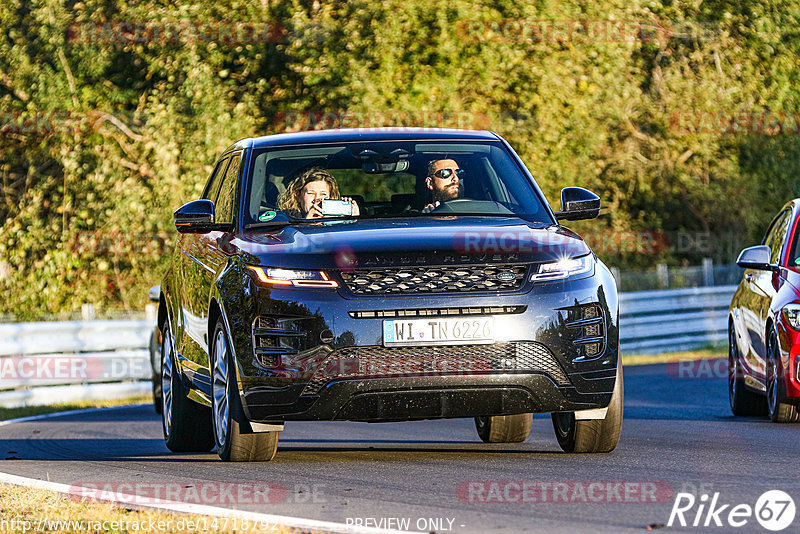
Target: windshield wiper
(280,224)
(271,224)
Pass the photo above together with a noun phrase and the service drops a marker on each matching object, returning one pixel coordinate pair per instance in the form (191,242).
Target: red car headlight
(791,312)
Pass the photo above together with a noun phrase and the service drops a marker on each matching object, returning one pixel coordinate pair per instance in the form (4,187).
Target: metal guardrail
(105,359)
(20,339)
(674,320)
(49,362)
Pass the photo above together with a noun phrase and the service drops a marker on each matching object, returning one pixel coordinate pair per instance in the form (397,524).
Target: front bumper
(789,341)
(410,398)
(331,325)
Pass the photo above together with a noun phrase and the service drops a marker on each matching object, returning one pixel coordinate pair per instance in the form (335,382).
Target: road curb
(127,501)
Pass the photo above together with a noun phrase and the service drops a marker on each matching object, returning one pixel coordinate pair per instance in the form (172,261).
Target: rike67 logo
(774,510)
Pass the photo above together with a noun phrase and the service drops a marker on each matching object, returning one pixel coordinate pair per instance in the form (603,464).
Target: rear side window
(223,207)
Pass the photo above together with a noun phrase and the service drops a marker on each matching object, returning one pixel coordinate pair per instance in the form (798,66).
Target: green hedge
(104,134)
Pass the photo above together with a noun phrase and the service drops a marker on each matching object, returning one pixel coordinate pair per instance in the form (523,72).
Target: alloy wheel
(219,387)
(166,382)
(733,366)
(772,378)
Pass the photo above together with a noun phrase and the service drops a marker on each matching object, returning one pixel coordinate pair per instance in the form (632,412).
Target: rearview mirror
(756,257)
(578,203)
(197,217)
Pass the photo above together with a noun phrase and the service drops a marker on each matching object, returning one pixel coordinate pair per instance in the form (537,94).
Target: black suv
(384,275)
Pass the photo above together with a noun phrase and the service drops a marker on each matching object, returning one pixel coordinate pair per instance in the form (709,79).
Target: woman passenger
(304,196)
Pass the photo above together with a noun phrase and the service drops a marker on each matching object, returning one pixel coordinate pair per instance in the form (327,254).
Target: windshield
(389,179)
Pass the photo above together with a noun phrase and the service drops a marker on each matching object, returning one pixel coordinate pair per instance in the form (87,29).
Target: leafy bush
(87,201)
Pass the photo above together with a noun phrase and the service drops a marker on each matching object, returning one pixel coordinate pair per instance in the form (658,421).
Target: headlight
(567,268)
(791,312)
(294,278)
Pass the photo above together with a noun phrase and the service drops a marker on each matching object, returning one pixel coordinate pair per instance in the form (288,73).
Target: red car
(764,324)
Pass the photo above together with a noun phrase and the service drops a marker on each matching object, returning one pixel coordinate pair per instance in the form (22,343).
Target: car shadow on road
(154,450)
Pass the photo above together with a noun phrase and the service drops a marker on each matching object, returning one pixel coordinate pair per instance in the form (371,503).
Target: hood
(400,242)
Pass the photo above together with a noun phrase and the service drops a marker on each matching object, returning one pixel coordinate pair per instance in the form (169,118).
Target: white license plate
(438,331)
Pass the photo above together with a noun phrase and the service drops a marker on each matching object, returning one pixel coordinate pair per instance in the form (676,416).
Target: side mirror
(197,217)
(756,257)
(154,293)
(578,203)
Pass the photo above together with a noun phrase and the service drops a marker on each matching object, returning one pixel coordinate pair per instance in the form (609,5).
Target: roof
(368,134)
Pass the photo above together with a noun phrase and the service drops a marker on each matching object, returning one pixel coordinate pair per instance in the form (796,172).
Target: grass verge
(27,510)
(25,411)
(700,354)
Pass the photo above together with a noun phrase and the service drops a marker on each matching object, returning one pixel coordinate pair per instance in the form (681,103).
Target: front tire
(231,444)
(186,425)
(743,401)
(596,435)
(779,407)
(504,428)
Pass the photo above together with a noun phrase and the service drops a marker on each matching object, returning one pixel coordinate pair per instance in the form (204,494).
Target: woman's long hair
(289,200)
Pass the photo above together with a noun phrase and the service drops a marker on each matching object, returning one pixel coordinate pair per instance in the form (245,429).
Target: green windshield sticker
(797,261)
(267,216)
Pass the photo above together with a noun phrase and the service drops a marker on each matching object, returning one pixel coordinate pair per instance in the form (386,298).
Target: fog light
(592,349)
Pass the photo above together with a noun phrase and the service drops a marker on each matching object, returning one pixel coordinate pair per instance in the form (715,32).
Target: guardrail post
(615,273)
(87,312)
(708,271)
(151,313)
(662,272)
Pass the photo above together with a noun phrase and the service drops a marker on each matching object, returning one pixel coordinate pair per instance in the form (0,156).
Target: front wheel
(596,435)
(186,424)
(504,428)
(231,444)
(742,401)
(779,407)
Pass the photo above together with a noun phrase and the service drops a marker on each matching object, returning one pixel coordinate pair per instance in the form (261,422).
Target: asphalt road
(678,435)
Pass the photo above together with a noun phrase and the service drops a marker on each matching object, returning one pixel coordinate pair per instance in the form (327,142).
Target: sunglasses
(447,173)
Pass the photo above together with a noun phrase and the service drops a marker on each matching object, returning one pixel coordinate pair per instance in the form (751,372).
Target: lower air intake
(387,362)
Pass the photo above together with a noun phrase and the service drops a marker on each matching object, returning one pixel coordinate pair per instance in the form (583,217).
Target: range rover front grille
(388,362)
(447,279)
